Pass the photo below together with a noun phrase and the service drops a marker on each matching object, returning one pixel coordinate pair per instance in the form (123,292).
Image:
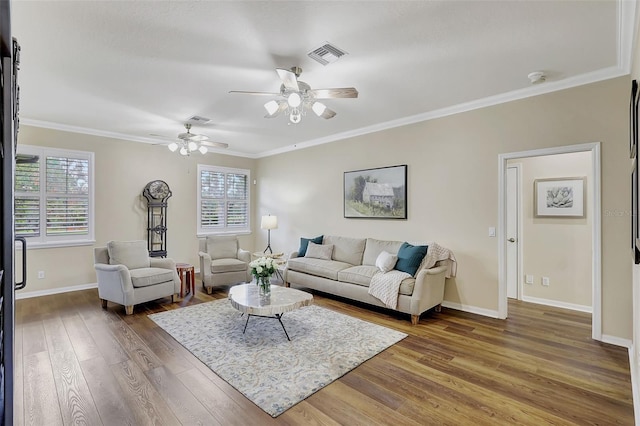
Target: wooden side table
(187,275)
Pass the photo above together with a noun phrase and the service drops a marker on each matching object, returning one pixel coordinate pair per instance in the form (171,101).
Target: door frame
(520,261)
(596,227)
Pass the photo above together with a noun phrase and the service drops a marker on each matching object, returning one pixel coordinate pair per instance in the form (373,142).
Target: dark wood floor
(79,364)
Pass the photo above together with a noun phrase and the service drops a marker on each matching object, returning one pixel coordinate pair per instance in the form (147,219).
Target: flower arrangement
(263,267)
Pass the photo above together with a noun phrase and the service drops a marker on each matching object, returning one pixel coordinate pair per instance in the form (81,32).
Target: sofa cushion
(374,247)
(347,250)
(144,277)
(228,265)
(132,254)
(318,267)
(386,261)
(304,242)
(410,257)
(222,246)
(360,275)
(406,286)
(319,251)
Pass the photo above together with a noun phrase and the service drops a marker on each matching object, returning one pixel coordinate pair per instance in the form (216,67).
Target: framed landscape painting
(559,197)
(376,193)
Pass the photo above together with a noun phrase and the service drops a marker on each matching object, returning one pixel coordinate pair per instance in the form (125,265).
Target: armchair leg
(175,297)
(128,309)
(209,290)
(415,319)
(104,303)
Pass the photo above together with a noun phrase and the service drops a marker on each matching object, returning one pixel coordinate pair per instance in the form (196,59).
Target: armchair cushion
(144,277)
(222,246)
(132,254)
(227,265)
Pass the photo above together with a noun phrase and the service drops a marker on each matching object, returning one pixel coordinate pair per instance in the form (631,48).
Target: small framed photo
(559,197)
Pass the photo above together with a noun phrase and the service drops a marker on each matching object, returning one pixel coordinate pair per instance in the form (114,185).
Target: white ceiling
(130,69)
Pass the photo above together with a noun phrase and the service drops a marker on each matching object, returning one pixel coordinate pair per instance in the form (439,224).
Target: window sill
(204,234)
(56,244)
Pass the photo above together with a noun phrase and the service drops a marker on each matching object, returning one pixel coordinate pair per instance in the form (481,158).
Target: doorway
(594,211)
(513,232)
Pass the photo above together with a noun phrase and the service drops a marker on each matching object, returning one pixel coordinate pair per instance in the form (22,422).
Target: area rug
(274,373)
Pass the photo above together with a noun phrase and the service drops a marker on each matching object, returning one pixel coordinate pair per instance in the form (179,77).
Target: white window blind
(53,196)
(223,198)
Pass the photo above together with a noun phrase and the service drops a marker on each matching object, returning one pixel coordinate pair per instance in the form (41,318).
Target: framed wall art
(376,193)
(559,197)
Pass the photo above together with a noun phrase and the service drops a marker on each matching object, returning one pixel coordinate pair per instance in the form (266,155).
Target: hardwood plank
(40,397)
(142,396)
(18,374)
(76,402)
(113,407)
(182,402)
(83,343)
(540,366)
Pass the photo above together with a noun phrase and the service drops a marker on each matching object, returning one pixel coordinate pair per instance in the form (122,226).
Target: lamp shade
(269,222)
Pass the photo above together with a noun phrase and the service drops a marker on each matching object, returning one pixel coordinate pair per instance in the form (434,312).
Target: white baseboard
(471,309)
(618,341)
(557,304)
(58,290)
(635,383)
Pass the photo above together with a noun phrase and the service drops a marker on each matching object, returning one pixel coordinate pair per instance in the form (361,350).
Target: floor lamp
(269,223)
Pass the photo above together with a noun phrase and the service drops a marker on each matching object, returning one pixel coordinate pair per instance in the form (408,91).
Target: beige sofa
(351,267)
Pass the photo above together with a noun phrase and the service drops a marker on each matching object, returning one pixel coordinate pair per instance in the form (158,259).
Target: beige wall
(557,248)
(122,169)
(453,185)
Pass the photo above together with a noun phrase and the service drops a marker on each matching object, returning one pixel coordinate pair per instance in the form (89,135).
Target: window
(54,196)
(223,200)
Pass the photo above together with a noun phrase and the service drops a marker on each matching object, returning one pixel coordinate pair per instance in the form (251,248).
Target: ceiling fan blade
(344,92)
(192,137)
(242,92)
(215,144)
(328,113)
(289,79)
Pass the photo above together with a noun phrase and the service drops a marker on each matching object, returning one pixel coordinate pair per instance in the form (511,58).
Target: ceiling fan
(296,97)
(189,142)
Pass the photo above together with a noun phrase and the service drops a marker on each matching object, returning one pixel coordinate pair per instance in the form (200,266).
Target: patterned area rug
(271,371)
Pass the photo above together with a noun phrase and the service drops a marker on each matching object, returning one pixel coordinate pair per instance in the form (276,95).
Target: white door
(513,275)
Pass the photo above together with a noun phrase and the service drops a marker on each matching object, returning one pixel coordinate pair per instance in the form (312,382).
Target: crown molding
(114,135)
(539,89)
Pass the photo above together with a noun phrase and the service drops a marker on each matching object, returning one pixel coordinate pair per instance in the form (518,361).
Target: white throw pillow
(319,251)
(386,261)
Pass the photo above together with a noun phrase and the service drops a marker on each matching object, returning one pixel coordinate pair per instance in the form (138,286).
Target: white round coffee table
(245,298)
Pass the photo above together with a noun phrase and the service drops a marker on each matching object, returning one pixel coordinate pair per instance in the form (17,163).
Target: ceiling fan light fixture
(173,146)
(318,108)
(295,116)
(203,149)
(183,151)
(271,107)
(192,146)
(294,100)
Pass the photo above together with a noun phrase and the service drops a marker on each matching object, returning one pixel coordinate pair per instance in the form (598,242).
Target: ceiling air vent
(199,120)
(326,54)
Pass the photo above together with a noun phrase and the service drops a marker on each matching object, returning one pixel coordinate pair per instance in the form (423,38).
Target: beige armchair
(128,276)
(223,262)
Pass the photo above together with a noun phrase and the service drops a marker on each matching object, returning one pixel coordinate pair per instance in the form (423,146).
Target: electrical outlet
(40,275)
(528,279)
(545,281)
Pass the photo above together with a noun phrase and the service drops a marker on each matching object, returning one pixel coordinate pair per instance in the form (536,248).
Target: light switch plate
(492,231)
(528,279)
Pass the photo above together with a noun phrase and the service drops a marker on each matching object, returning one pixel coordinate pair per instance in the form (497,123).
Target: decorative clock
(157,193)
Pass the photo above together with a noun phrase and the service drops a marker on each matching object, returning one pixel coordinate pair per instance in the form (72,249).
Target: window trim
(44,241)
(203,232)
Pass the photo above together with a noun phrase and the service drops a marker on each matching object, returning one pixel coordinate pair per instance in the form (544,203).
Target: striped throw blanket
(386,285)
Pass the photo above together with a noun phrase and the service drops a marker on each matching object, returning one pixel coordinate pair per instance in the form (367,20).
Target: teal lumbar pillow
(410,257)
(304,243)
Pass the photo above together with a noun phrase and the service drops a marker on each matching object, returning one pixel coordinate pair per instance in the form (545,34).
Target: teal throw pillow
(410,257)
(304,243)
